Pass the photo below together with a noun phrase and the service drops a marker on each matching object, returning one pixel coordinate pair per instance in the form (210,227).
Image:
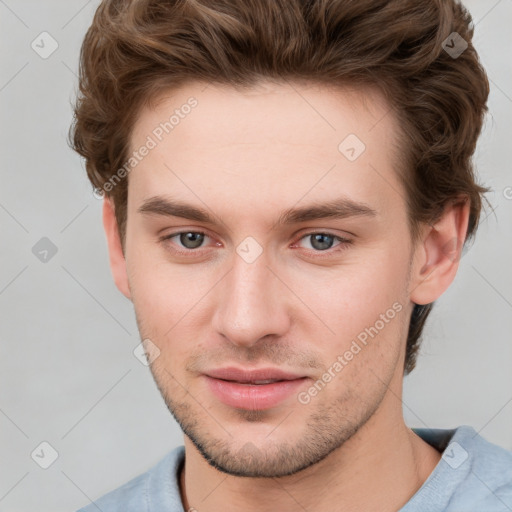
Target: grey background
(68,374)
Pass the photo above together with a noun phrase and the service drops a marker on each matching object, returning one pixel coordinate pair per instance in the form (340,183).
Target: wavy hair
(136,49)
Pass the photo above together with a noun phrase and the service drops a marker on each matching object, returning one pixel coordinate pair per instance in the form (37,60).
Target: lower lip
(253,396)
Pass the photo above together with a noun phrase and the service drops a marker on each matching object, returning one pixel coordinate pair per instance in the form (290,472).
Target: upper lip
(246,375)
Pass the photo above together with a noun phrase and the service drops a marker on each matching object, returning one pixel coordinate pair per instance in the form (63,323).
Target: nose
(252,302)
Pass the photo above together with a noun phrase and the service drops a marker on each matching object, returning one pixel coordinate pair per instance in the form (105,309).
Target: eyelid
(167,237)
(323,232)
(343,241)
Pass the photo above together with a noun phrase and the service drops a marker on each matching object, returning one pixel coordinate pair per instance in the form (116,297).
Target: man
(288,188)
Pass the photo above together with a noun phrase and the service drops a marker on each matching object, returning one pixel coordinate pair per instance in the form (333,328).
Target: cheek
(160,287)
(375,291)
(365,307)
(169,301)
(352,296)
(376,314)
(368,314)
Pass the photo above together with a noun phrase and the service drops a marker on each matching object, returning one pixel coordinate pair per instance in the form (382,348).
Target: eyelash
(344,242)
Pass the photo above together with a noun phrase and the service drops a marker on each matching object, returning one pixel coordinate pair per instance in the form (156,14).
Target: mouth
(255,382)
(254,376)
(257,389)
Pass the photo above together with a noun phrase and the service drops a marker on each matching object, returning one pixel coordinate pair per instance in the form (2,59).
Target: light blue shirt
(473,475)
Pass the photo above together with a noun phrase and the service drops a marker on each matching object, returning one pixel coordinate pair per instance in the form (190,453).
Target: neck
(378,469)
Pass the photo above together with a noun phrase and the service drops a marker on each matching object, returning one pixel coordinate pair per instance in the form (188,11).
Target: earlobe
(438,254)
(115,251)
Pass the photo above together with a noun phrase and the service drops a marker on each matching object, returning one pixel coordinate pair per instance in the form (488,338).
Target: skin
(246,157)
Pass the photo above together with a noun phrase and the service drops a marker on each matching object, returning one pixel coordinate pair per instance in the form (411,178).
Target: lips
(256,389)
(257,376)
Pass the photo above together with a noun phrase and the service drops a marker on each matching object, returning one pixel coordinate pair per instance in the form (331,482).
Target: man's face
(254,293)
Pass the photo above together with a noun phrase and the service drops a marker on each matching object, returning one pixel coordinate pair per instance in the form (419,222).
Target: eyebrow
(340,208)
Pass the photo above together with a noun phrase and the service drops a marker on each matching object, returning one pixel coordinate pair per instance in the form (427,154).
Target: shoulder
(490,465)
(473,473)
(151,491)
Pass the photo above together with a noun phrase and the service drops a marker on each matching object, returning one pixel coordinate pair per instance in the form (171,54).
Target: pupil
(319,241)
(191,240)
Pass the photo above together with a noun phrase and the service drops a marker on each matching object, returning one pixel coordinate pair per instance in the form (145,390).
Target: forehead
(273,143)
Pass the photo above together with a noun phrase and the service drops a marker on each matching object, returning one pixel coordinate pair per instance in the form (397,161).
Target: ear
(437,255)
(116,256)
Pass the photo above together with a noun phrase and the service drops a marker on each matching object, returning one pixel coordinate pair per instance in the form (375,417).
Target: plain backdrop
(68,374)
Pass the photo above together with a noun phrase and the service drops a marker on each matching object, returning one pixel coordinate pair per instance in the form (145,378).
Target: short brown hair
(135,50)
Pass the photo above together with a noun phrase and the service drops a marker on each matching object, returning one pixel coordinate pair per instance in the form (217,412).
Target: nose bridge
(250,305)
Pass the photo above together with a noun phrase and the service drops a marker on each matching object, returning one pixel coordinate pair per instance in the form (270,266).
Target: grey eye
(191,239)
(321,241)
